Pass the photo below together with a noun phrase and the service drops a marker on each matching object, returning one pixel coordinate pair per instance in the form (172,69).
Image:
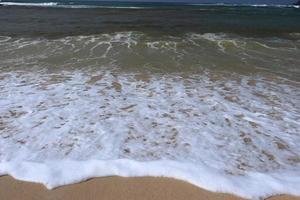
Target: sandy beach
(114,188)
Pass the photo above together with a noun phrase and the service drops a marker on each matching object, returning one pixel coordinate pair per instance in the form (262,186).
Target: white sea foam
(48,4)
(222,40)
(61,5)
(252,185)
(249,5)
(237,134)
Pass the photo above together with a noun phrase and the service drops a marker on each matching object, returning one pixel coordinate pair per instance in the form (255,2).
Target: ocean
(205,93)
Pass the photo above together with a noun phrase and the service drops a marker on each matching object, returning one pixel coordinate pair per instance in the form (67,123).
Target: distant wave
(279,6)
(129,6)
(249,5)
(59,5)
(49,4)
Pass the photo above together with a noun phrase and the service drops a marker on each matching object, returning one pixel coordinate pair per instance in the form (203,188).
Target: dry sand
(114,188)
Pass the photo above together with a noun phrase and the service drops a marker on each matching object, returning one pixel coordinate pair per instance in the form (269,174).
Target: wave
(185,52)
(66,5)
(274,5)
(132,6)
(60,172)
(48,4)
(249,5)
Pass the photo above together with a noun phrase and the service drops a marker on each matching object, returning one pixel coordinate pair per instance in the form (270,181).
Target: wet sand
(114,188)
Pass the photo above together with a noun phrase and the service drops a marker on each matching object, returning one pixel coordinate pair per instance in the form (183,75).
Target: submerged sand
(115,188)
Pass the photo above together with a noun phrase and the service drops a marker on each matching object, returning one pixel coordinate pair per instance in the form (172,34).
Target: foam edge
(252,185)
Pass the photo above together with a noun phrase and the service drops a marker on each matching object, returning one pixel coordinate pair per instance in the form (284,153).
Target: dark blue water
(56,19)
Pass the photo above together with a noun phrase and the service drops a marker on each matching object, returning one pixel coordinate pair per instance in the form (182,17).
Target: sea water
(135,92)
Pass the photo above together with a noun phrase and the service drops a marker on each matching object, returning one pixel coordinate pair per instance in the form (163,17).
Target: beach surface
(111,188)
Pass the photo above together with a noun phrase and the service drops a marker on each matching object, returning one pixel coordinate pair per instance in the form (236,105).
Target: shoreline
(115,188)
